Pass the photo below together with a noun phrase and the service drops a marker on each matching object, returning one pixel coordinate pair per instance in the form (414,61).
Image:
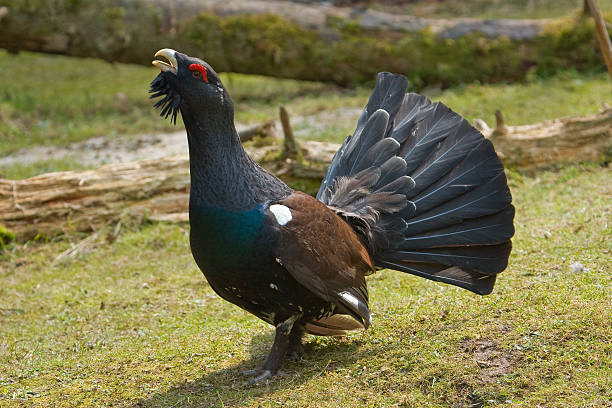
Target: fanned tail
(425,190)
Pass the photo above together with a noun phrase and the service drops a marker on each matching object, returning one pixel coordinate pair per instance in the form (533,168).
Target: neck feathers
(222,174)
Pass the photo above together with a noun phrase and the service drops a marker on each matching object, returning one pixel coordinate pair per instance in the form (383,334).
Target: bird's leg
(276,355)
(295,349)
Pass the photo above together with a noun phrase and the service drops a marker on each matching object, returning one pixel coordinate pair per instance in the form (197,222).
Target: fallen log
(158,189)
(573,139)
(83,200)
(308,42)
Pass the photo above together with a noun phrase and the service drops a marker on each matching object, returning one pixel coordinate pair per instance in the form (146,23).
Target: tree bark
(158,189)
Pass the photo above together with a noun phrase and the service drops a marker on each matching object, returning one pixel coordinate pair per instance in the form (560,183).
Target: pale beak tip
(170,55)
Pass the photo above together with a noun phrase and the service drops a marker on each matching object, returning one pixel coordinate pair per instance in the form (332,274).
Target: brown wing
(323,253)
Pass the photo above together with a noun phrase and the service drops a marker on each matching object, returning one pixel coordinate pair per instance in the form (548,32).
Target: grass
(498,8)
(131,323)
(69,100)
(568,94)
(20,171)
(55,100)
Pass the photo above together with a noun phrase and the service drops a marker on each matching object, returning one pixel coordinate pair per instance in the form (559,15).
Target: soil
(492,360)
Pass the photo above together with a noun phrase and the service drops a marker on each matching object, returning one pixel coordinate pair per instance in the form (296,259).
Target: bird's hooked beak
(170,55)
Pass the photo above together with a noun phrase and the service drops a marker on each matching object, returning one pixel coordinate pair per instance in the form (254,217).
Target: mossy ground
(132,323)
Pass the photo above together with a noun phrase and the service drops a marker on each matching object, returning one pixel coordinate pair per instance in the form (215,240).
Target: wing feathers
(320,251)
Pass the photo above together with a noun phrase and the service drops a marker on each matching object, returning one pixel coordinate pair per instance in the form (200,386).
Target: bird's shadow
(218,387)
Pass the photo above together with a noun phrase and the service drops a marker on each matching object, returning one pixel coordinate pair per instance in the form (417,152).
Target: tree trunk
(158,189)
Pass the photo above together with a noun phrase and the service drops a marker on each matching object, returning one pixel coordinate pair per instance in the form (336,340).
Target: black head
(188,84)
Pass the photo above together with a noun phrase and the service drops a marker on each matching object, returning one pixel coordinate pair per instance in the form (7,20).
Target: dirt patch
(103,150)
(492,360)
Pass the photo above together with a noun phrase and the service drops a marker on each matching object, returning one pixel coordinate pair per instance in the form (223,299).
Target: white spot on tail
(273,286)
(282,213)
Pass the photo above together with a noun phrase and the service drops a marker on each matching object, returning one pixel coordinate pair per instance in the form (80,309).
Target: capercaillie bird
(414,189)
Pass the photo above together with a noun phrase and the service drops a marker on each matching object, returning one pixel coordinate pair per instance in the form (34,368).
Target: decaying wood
(80,200)
(573,139)
(158,189)
(500,126)
(84,200)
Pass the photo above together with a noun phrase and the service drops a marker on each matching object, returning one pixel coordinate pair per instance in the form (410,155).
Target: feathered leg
(277,353)
(295,349)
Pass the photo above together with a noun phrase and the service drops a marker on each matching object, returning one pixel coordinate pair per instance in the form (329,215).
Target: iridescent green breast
(221,238)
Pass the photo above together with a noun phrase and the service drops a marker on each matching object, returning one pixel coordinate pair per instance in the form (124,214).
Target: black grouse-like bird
(415,189)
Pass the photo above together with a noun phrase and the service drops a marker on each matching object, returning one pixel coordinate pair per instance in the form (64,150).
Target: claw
(265,374)
(261,375)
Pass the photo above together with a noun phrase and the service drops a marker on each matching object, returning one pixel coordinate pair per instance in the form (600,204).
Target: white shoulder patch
(281,213)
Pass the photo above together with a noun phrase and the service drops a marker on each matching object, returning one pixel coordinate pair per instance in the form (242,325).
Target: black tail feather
(424,189)
(492,229)
(476,282)
(479,166)
(486,199)
(486,259)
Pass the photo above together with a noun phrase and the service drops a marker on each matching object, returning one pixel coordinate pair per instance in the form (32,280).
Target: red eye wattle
(201,69)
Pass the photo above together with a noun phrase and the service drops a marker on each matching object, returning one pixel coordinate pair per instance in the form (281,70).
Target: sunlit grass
(55,100)
(19,171)
(498,8)
(132,323)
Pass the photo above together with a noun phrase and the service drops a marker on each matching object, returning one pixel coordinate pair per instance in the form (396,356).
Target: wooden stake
(290,147)
(602,34)
(500,126)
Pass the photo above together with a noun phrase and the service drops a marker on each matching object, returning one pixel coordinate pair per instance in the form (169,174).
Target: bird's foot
(261,375)
(295,351)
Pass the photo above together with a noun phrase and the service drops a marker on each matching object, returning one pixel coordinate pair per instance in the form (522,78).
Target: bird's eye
(199,71)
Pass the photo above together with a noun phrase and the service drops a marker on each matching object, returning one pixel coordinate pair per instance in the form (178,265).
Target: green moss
(523,9)
(6,236)
(270,45)
(343,53)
